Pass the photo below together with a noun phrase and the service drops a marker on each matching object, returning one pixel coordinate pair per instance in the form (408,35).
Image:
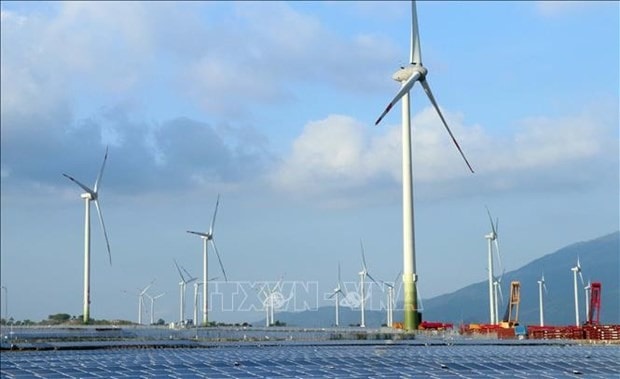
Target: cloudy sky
(272,105)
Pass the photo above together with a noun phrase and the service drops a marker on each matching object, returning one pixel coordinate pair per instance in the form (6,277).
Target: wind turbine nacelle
(87,195)
(405,72)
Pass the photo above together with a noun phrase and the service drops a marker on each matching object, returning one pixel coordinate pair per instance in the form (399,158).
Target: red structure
(595,304)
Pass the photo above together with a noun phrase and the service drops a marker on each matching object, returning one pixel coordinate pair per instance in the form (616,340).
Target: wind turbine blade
(188,274)
(363,257)
(403,90)
(217,203)
(501,294)
(143,292)
(158,296)
(397,277)
(499,257)
(371,278)
(179,270)
(105,233)
(84,187)
(219,259)
(427,89)
(415,55)
(198,233)
(490,220)
(581,277)
(105,157)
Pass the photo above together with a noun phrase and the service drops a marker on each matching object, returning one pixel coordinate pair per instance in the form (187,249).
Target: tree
(59,318)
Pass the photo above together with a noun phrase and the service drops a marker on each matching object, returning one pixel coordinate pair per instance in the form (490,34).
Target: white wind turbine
(408,76)
(206,238)
(153,298)
(577,270)
(141,294)
(363,274)
(497,289)
(88,196)
(391,301)
(587,299)
(272,299)
(541,286)
(337,293)
(492,238)
(182,288)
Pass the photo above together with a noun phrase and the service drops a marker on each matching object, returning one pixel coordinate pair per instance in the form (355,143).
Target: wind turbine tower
(182,288)
(141,301)
(391,301)
(363,274)
(577,270)
(491,239)
(153,298)
(88,196)
(206,238)
(337,293)
(541,286)
(408,76)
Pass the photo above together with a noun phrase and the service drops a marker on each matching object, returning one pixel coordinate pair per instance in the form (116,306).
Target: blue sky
(272,105)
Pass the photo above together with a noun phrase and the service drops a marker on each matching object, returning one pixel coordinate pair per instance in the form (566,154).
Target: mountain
(600,262)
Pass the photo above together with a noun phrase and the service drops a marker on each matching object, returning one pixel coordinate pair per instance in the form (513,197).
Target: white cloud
(339,153)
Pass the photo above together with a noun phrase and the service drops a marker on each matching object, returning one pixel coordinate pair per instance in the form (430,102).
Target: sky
(272,106)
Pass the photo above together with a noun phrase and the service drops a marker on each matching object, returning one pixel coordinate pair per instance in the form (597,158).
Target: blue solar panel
(291,360)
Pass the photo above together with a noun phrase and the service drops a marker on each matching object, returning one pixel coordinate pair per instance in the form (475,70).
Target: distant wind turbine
(337,293)
(206,238)
(272,299)
(88,196)
(363,275)
(587,299)
(541,286)
(182,288)
(408,76)
(577,270)
(497,289)
(141,294)
(153,298)
(391,301)
(492,238)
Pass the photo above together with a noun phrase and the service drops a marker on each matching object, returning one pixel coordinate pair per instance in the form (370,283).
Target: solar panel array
(313,361)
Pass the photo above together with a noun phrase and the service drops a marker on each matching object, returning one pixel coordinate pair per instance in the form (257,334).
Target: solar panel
(320,360)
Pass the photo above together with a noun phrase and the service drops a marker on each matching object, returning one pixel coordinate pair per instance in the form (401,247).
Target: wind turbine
(88,196)
(575,270)
(587,301)
(141,300)
(182,288)
(337,292)
(153,298)
(390,301)
(206,238)
(492,238)
(541,286)
(363,274)
(497,288)
(408,76)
